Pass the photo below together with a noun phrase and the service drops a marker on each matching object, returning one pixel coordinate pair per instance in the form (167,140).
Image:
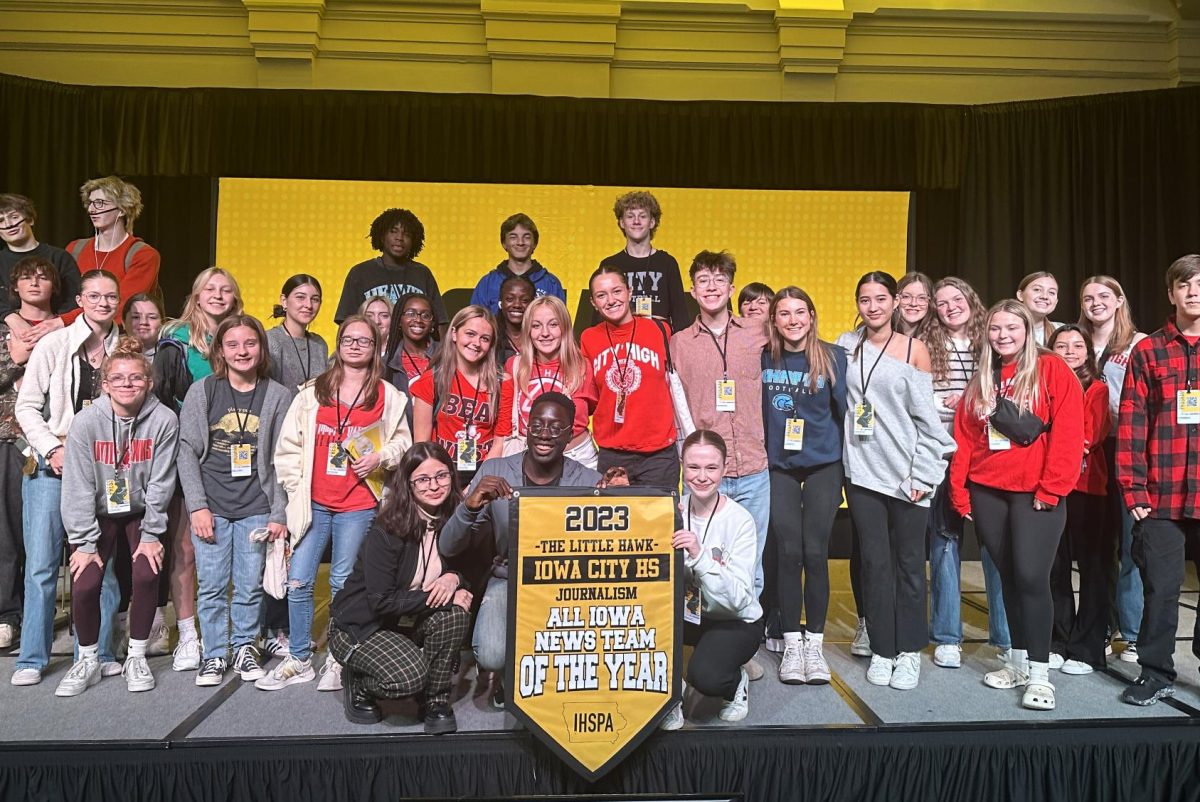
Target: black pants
(1088,541)
(891,534)
(722,648)
(1023,542)
(803,506)
(1159,551)
(12,543)
(655,469)
(85,592)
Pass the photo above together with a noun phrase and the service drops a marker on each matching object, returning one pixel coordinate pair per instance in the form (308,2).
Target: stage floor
(178,711)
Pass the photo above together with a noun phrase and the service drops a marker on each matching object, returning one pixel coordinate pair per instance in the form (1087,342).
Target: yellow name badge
(239,460)
(793,434)
(466,454)
(864,420)
(726,396)
(116,495)
(1187,407)
(643,305)
(997,441)
(335,462)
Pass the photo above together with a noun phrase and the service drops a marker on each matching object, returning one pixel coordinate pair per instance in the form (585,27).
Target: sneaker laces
(137,667)
(792,650)
(333,665)
(247,658)
(813,658)
(80,669)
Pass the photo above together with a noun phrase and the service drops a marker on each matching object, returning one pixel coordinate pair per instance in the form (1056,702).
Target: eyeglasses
(95,297)
(121,380)
(422,482)
(905,298)
(537,428)
(11,219)
(100,204)
(418,314)
(711,281)
(361,342)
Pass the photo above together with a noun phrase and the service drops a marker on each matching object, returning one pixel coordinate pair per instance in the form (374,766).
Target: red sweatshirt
(1096,425)
(632,358)
(1049,467)
(142,275)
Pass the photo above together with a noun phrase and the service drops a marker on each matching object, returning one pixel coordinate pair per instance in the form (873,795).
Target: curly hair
(937,337)
(391,218)
(124,195)
(639,200)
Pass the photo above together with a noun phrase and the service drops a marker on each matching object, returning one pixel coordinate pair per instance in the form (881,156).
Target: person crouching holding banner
(722,616)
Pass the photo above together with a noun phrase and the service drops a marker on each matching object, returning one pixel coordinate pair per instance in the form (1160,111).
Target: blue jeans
(754,493)
(232,557)
(1129,582)
(347,530)
(490,638)
(945,591)
(41,520)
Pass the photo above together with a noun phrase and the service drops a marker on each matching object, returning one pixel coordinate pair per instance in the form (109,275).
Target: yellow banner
(594,638)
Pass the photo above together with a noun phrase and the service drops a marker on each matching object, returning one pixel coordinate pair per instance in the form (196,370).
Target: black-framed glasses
(418,314)
(439,479)
(101,204)
(539,429)
(361,342)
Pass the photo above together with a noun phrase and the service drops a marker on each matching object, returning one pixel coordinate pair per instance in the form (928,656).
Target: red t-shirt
(341,493)
(415,365)
(463,406)
(544,377)
(142,275)
(630,358)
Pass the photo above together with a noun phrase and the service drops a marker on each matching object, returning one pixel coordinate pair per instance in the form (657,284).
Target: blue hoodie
(785,394)
(487,291)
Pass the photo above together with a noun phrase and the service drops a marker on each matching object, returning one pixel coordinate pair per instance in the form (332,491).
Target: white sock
(1039,672)
(815,637)
(89,652)
(187,628)
(793,637)
(1020,660)
(159,613)
(137,648)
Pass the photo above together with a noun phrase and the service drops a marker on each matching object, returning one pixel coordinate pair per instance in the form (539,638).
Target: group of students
(195,447)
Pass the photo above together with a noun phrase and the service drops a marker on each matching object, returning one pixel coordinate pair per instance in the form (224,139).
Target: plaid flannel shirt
(1158,460)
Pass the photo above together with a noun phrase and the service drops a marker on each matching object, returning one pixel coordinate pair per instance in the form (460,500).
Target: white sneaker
(791,668)
(187,655)
(861,645)
(1076,667)
(290,672)
(83,675)
(137,675)
(1130,654)
(880,670)
(8,634)
(816,670)
(1056,661)
(737,708)
(277,645)
(331,675)
(110,669)
(674,718)
(160,641)
(948,655)
(907,671)
(26,676)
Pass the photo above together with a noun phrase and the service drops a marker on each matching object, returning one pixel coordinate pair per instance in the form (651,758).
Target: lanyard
(242,424)
(404,353)
(866,380)
(721,348)
(704,537)
(120,456)
(621,367)
(541,378)
(1189,351)
(474,416)
(307,354)
(427,552)
(337,412)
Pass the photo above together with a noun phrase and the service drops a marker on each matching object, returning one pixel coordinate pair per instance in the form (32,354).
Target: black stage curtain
(1077,186)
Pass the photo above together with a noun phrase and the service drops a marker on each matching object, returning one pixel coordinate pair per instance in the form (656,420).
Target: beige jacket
(296,444)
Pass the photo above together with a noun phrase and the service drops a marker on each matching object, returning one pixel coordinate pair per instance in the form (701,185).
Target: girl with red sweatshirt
(1078,638)
(1019,430)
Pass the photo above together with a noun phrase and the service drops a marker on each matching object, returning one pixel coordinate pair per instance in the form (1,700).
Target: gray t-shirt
(233,418)
(293,361)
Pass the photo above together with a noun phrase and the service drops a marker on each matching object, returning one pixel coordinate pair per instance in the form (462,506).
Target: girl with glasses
(120,464)
(349,408)
(412,340)
(404,610)
(915,296)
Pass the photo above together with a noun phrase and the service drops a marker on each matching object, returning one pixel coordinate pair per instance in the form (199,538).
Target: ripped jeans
(347,530)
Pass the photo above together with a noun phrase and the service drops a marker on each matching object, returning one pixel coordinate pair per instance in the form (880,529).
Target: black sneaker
(1147,690)
(498,692)
(248,663)
(439,719)
(212,671)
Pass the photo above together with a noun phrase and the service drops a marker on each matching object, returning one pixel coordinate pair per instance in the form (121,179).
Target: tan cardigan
(296,444)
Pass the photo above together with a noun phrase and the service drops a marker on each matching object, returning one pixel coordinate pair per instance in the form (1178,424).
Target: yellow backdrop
(269,229)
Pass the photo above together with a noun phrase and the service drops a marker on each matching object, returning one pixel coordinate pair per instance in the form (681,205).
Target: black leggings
(1088,540)
(85,592)
(891,535)
(803,506)
(1023,542)
(722,648)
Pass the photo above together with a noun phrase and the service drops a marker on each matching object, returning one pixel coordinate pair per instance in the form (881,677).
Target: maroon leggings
(85,592)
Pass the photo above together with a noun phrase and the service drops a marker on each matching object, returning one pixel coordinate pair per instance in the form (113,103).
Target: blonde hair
(1047,327)
(444,363)
(980,395)
(937,336)
(571,367)
(200,325)
(362,309)
(128,348)
(820,361)
(1123,330)
(124,195)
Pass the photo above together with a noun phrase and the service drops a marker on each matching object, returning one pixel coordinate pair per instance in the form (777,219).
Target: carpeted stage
(951,739)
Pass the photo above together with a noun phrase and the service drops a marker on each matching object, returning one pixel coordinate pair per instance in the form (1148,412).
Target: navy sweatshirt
(785,394)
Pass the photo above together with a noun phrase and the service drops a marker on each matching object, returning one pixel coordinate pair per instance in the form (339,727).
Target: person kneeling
(403,612)
(120,466)
(722,616)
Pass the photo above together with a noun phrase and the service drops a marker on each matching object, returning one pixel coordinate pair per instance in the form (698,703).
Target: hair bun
(277,311)
(127,345)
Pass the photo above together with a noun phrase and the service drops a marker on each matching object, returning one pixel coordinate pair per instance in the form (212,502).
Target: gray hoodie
(88,466)
(193,427)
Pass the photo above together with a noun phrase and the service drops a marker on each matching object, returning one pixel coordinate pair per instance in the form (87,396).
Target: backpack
(77,247)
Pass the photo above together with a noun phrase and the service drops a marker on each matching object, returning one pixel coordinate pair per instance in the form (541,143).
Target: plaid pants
(413,661)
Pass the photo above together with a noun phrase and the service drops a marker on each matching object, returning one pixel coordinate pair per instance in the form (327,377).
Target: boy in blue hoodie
(519,238)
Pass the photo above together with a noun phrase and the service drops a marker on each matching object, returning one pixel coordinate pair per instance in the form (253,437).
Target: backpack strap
(76,248)
(666,343)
